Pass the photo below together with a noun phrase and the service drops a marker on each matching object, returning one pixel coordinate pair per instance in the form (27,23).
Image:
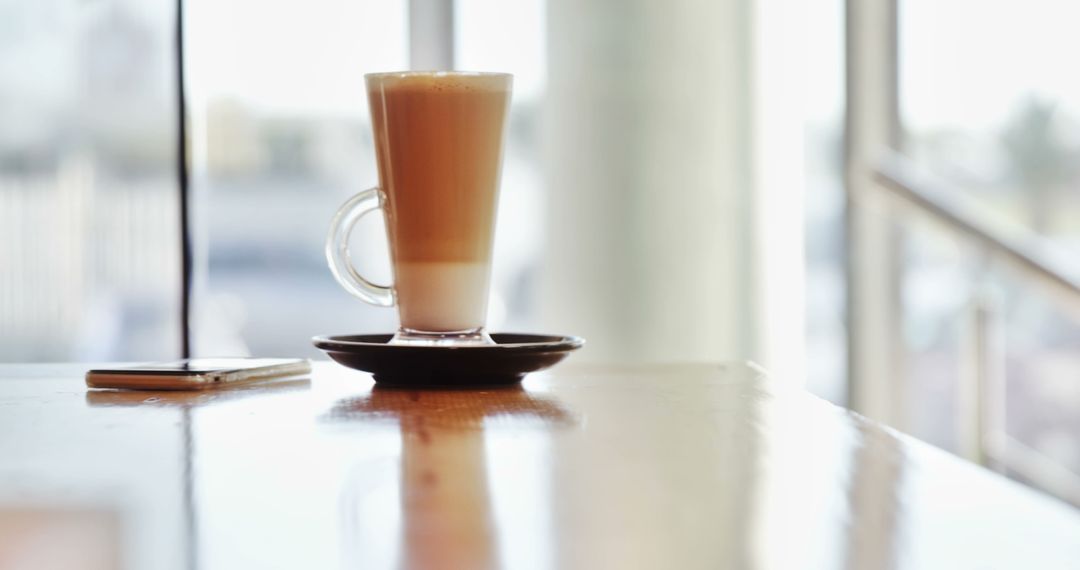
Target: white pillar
(650,162)
(876,386)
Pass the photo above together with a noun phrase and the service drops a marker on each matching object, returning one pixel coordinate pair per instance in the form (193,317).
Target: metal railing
(1026,254)
(984,439)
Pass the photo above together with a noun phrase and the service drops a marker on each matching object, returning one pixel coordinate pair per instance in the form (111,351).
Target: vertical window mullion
(431,34)
(183,186)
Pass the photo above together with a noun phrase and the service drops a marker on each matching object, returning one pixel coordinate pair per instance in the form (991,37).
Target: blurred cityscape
(89,258)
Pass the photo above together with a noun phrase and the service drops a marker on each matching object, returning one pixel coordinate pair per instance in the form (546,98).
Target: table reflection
(185,402)
(875,496)
(445,498)
(190,399)
(681,466)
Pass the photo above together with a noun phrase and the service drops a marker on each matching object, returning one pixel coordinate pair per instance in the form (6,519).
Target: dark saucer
(506,362)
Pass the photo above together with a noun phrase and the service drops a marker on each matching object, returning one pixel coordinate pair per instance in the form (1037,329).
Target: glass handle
(337,249)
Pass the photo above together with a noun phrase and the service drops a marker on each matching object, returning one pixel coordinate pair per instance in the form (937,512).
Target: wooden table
(688,466)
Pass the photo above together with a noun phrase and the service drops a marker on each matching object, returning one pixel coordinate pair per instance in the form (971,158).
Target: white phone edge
(200,381)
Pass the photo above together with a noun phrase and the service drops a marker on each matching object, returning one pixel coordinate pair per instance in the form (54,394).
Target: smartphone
(197,373)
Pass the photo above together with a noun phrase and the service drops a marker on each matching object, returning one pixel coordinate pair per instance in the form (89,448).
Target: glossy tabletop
(685,466)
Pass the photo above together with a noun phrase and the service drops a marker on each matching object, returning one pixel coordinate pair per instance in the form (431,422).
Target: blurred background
(877,198)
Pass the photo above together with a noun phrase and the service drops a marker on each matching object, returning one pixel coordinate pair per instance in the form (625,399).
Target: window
(286,139)
(89,235)
(999,122)
(823,143)
(962,143)
(281,138)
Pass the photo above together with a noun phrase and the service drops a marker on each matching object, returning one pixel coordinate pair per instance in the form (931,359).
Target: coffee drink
(438,140)
(438,143)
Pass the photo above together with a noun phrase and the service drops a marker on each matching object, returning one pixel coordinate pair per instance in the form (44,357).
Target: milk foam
(441,296)
(441,80)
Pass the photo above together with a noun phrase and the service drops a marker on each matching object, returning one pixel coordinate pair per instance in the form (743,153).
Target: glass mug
(438,144)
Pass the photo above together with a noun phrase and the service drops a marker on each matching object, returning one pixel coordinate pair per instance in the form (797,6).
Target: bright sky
(294,57)
(500,35)
(966,63)
(309,57)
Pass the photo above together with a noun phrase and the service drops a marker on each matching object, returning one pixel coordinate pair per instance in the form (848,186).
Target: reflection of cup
(438,141)
(446,511)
